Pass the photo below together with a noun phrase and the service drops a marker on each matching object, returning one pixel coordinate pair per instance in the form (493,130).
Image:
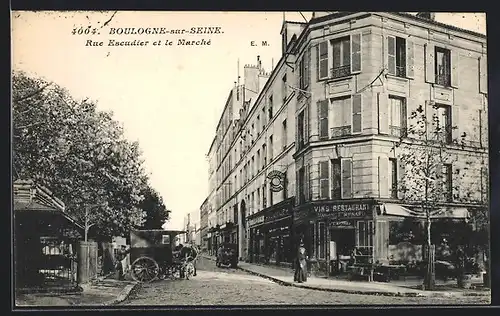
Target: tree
(79,153)
(156,214)
(438,166)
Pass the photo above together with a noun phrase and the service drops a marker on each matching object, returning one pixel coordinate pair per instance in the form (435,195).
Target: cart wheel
(145,269)
(189,270)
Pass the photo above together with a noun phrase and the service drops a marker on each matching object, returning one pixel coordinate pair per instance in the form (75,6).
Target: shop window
(365,230)
(321,240)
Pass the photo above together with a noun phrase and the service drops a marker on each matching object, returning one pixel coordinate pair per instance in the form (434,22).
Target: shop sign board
(345,211)
(256,220)
(276,214)
(342,224)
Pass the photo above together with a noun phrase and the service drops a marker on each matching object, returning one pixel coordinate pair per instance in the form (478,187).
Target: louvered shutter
(430,75)
(356,53)
(323,60)
(324,184)
(391,55)
(323,119)
(306,123)
(410,59)
(455,66)
(357,113)
(383,112)
(383,171)
(346,178)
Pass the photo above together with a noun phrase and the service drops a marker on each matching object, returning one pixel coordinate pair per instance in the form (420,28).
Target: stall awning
(442,212)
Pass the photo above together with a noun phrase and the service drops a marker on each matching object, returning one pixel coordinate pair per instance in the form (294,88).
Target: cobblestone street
(225,286)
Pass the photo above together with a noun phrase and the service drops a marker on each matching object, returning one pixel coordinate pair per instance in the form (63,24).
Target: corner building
(310,157)
(368,72)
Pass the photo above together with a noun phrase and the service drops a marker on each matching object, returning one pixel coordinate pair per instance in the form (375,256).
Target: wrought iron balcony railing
(443,80)
(401,71)
(342,71)
(340,131)
(398,131)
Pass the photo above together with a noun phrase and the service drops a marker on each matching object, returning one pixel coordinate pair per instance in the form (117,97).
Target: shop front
(271,239)
(331,230)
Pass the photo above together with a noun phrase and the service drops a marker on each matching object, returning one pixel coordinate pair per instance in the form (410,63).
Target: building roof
(402,14)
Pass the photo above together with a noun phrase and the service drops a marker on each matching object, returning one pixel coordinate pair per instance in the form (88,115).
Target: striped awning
(442,212)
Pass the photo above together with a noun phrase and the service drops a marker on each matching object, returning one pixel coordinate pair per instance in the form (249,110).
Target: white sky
(168,98)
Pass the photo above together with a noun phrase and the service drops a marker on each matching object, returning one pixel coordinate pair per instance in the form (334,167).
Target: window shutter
(401,178)
(346,178)
(306,123)
(483,75)
(455,123)
(324,185)
(383,113)
(323,60)
(391,55)
(455,68)
(323,119)
(306,183)
(307,69)
(356,113)
(429,115)
(430,76)
(356,53)
(383,172)
(410,59)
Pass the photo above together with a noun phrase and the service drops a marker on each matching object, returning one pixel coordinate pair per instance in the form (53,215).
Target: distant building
(192,226)
(204,225)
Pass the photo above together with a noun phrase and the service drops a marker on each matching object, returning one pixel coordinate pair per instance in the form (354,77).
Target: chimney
(259,62)
(427,15)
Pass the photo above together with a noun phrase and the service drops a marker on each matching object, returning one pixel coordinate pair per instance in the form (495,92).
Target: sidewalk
(102,292)
(284,276)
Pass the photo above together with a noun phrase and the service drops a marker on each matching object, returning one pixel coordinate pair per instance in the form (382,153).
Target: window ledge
(330,80)
(402,79)
(449,88)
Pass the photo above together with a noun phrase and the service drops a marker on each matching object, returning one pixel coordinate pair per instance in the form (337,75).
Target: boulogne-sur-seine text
(163,30)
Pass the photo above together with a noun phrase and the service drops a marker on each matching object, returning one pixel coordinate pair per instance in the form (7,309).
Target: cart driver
(189,253)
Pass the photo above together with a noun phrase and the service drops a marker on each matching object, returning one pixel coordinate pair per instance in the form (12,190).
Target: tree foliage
(80,154)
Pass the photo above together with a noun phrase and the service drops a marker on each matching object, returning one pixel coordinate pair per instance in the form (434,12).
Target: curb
(124,294)
(376,293)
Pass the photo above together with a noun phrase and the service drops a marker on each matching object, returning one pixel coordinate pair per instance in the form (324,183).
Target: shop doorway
(342,242)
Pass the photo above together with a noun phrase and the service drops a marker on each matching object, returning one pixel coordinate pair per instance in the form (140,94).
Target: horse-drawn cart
(152,255)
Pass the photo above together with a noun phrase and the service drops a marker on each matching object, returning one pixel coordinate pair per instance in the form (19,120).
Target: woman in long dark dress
(301,266)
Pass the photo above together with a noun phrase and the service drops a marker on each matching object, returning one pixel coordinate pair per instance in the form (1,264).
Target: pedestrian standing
(301,265)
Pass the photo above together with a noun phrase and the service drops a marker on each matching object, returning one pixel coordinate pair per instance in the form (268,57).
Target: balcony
(443,80)
(401,71)
(340,131)
(398,131)
(340,72)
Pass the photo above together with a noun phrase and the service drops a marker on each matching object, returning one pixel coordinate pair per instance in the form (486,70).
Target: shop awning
(442,212)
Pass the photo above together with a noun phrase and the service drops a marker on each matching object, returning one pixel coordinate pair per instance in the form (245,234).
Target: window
(304,71)
(397,116)
(341,57)
(253,133)
(443,123)
(393,178)
(300,130)
(270,109)
(336,179)
(264,200)
(284,88)
(324,181)
(235,183)
(264,122)
(258,125)
(365,230)
(301,186)
(323,119)
(322,240)
(341,109)
(448,182)
(264,156)
(165,239)
(270,148)
(258,200)
(258,160)
(270,197)
(443,66)
(252,166)
(252,199)
(323,60)
(396,48)
(284,136)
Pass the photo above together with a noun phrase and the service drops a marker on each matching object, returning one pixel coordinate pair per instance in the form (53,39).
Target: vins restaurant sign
(345,211)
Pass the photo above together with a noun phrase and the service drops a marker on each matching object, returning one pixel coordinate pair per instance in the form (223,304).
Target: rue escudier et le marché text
(159,31)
